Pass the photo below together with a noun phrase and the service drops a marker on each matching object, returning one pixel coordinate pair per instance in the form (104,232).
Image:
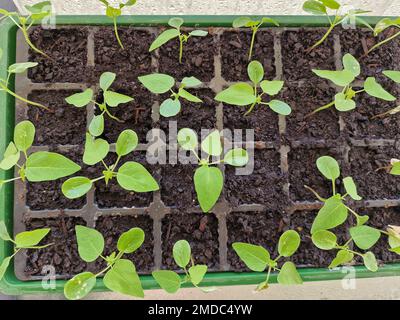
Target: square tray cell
(304,98)
(197,59)
(297,62)
(258,228)
(235,46)
(366,168)
(303,171)
(64,124)
(263,186)
(112,227)
(114,196)
(62,254)
(48,195)
(67,48)
(199,229)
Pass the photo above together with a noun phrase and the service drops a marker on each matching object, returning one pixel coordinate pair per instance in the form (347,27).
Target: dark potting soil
(64,125)
(200,230)
(112,227)
(235,48)
(67,48)
(62,254)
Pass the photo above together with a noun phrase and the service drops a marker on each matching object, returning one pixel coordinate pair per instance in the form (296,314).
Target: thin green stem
(320,109)
(97,179)
(180,48)
(116,33)
(383,42)
(251,108)
(3,87)
(253,37)
(320,41)
(333,186)
(315,193)
(29,42)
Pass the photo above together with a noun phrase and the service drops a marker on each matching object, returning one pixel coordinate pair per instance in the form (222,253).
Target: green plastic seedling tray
(10,285)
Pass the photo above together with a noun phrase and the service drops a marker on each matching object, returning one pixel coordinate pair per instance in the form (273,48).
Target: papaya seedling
(170,281)
(322,7)
(159,83)
(173,33)
(37,13)
(335,212)
(344,100)
(243,94)
(395,76)
(110,99)
(131,176)
(114,13)
(119,275)
(258,259)
(208,179)
(38,166)
(23,240)
(254,25)
(381,26)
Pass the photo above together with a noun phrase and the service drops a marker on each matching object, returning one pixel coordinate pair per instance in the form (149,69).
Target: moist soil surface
(285,154)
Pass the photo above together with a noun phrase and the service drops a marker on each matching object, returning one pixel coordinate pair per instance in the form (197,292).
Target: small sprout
(38,166)
(321,7)
(258,259)
(170,281)
(254,25)
(37,13)
(159,83)
(110,99)
(176,32)
(344,100)
(243,94)
(208,179)
(131,176)
(119,275)
(394,76)
(23,240)
(114,13)
(383,25)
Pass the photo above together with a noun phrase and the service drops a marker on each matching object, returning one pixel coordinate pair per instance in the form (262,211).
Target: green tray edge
(10,285)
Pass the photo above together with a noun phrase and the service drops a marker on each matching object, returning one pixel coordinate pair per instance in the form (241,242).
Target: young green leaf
(123,278)
(393,75)
(106,80)
(175,22)
(212,144)
(256,258)
(3,266)
(240,94)
(163,38)
(342,257)
(237,157)
(314,7)
(190,82)
(271,87)
(332,214)
(331,4)
(47,166)
(90,243)
(341,78)
(197,273)
(95,150)
(384,24)
(208,183)
(157,82)
(365,237)
(127,142)
(351,64)
(395,169)
(113,99)
(167,280)
(198,33)
(4,235)
(24,134)
(79,286)
(11,157)
(289,274)
(255,70)
(96,126)
(370,261)
(21,67)
(351,188)
(76,187)
(170,107)
(188,96)
(241,22)
(280,107)
(374,89)
(329,167)
(324,240)
(80,99)
(342,103)
(133,176)
(131,240)
(182,253)
(187,139)
(32,238)
(288,244)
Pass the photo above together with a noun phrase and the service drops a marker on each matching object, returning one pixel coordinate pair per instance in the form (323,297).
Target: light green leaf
(370,261)
(365,237)
(127,142)
(79,286)
(395,169)
(288,244)
(76,187)
(341,78)
(190,82)
(329,167)
(24,134)
(95,150)
(167,280)
(21,67)
(270,20)
(96,126)
(157,82)
(342,257)
(331,4)
(237,157)
(271,87)
(280,107)
(241,22)
(123,278)
(4,235)
(163,38)
(393,75)
(324,240)
(208,182)
(198,33)
(384,24)
(342,103)
(113,12)
(351,188)
(374,89)
(361,220)
(331,215)
(182,253)
(187,139)
(170,107)
(113,99)
(90,243)
(80,99)
(289,274)
(106,80)
(314,7)
(188,96)
(3,266)
(28,239)
(351,64)
(39,7)
(11,157)
(175,22)
(212,144)
(256,258)
(197,273)
(131,240)
(239,94)
(255,70)
(133,176)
